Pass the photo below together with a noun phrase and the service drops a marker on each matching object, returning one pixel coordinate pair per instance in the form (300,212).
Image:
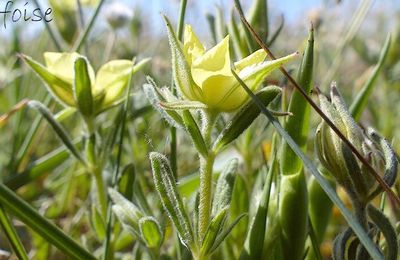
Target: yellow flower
(205,75)
(107,85)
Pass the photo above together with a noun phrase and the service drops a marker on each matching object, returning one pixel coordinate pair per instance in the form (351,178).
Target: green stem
(95,168)
(102,196)
(206,168)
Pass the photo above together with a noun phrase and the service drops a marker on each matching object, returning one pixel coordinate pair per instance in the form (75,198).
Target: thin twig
(383,184)
(53,36)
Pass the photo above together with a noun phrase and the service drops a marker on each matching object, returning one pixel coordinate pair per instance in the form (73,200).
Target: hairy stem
(206,168)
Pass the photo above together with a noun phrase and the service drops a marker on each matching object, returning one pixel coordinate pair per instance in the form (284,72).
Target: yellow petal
(219,94)
(254,58)
(215,62)
(253,75)
(61,64)
(192,47)
(112,79)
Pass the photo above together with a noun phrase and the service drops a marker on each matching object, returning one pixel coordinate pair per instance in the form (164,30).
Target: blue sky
(295,11)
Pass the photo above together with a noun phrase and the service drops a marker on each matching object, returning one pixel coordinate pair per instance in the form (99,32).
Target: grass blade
(53,36)
(28,215)
(58,129)
(39,167)
(83,37)
(254,243)
(355,24)
(360,102)
(12,235)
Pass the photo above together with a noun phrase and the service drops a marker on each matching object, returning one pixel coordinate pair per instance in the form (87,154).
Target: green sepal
(180,68)
(56,86)
(171,116)
(83,90)
(215,227)
(183,105)
(151,232)
(195,133)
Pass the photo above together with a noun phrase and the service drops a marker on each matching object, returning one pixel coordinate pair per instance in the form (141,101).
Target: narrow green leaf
(12,235)
(220,27)
(170,198)
(211,25)
(58,129)
(278,31)
(23,211)
(224,187)
(314,253)
(361,100)
(258,18)
(243,119)
(297,125)
(240,48)
(195,133)
(215,227)
(239,205)
(222,235)
(293,213)
(85,34)
(150,231)
(319,210)
(83,88)
(293,203)
(253,246)
(97,222)
(39,167)
(387,230)
(127,181)
(351,220)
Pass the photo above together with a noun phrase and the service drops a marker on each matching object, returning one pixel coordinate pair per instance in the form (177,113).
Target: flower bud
(338,158)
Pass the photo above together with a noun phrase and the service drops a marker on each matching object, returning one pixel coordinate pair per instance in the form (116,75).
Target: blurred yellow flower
(108,84)
(206,76)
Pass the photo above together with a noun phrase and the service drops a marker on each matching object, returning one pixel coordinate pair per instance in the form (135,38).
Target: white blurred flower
(118,15)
